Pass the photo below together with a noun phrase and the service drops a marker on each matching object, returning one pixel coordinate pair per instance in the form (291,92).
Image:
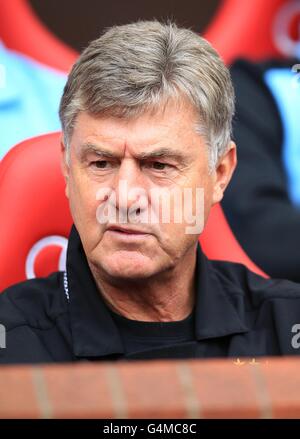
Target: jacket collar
(216,316)
(94,331)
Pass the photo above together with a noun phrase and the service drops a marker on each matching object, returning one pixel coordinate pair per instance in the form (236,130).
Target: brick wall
(245,388)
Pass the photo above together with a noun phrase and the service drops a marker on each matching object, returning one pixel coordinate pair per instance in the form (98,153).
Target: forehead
(173,126)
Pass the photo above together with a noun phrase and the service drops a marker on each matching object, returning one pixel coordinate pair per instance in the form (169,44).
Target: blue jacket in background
(29,98)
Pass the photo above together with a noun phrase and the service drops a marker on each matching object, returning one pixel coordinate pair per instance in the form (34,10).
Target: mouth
(127,232)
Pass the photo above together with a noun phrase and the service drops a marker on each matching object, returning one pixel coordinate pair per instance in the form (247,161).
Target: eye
(100,164)
(159,166)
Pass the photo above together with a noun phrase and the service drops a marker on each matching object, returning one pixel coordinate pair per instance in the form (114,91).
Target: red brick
(17,393)
(162,389)
(78,391)
(282,380)
(225,390)
(153,390)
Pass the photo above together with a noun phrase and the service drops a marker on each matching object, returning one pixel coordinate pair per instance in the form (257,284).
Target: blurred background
(79,22)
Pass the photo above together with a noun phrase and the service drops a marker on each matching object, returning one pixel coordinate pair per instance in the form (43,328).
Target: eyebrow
(176,155)
(163,152)
(88,147)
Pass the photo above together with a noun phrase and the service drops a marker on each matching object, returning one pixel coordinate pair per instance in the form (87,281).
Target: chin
(129,265)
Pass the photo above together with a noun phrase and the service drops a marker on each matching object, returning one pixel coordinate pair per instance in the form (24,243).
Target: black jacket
(63,318)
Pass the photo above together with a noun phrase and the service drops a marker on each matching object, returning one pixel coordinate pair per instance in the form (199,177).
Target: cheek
(174,241)
(82,197)
(83,205)
(208,198)
(202,181)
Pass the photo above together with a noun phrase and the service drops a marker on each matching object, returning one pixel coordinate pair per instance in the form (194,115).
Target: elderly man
(146,151)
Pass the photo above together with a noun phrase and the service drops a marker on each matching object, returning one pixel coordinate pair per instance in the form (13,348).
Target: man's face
(117,171)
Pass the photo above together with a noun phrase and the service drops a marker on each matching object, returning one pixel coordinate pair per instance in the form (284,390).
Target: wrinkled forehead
(174,128)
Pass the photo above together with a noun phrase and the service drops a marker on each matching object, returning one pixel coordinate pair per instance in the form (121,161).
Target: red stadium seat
(35,220)
(21,30)
(255,29)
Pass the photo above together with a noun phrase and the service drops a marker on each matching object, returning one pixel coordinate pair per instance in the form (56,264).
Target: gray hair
(138,67)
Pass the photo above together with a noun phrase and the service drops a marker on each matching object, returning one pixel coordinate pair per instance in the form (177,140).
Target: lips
(126,230)
(127,235)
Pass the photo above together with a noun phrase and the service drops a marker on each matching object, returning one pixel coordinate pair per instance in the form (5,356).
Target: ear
(64,165)
(223,172)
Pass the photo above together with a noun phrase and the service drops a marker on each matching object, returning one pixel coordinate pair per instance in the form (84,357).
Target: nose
(130,189)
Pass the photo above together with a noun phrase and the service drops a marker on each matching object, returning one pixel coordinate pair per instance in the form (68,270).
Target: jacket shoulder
(237,279)
(35,302)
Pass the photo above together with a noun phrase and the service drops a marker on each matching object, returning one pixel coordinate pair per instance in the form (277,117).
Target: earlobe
(217,195)
(67,190)
(223,173)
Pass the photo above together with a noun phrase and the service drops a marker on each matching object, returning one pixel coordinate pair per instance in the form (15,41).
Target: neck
(166,297)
